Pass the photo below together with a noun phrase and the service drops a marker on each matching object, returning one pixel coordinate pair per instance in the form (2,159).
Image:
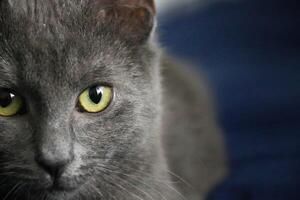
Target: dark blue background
(250,51)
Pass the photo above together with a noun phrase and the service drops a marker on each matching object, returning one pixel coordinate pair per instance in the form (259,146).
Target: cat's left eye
(95,99)
(10,103)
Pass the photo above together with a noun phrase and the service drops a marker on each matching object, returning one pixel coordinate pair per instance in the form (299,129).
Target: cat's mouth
(66,185)
(64,188)
(59,186)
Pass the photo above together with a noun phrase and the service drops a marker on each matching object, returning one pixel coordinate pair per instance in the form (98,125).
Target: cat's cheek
(12,130)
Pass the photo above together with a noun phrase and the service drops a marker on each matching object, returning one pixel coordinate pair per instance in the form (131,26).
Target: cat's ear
(132,20)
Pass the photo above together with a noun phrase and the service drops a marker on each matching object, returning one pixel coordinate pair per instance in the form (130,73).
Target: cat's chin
(21,189)
(60,193)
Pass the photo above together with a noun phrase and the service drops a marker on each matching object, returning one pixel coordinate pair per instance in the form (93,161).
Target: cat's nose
(54,163)
(54,146)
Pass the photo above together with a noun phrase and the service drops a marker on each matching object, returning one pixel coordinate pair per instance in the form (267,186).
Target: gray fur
(50,51)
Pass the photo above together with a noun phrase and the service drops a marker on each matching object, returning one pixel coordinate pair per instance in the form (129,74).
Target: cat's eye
(10,103)
(95,99)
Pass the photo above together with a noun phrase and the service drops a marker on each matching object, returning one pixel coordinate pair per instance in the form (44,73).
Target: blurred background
(250,52)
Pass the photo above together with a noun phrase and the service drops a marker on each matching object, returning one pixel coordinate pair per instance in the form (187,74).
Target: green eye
(95,99)
(10,103)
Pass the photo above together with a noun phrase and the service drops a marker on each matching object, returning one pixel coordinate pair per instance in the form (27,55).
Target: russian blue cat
(92,108)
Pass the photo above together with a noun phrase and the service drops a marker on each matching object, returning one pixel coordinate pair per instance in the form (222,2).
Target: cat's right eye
(10,103)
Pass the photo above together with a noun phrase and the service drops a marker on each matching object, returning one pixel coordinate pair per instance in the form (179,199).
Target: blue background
(250,51)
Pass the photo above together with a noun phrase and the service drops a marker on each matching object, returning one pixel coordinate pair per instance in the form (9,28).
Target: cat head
(79,95)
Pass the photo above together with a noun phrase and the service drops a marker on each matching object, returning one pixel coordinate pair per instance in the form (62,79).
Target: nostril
(54,168)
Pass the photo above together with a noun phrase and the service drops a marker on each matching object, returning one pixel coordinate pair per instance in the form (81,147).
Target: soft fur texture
(157,140)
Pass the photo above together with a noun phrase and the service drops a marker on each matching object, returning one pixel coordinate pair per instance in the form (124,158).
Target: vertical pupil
(5,99)
(95,94)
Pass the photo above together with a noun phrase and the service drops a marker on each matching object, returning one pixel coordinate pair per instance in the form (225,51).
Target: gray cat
(91,108)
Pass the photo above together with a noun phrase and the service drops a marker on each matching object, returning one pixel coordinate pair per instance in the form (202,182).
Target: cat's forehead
(58,40)
(40,19)
(40,13)
(68,64)
(33,4)
(130,20)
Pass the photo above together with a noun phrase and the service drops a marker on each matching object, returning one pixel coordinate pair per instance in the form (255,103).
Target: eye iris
(10,104)
(6,99)
(95,94)
(94,99)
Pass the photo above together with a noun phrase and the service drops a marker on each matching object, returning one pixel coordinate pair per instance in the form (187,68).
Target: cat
(92,108)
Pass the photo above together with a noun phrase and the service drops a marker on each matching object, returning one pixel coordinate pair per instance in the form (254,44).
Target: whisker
(145,193)
(143,173)
(18,188)
(166,183)
(132,178)
(96,190)
(180,179)
(12,190)
(121,187)
(176,191)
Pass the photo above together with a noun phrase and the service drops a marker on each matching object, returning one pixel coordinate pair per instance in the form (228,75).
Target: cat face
(79,96)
